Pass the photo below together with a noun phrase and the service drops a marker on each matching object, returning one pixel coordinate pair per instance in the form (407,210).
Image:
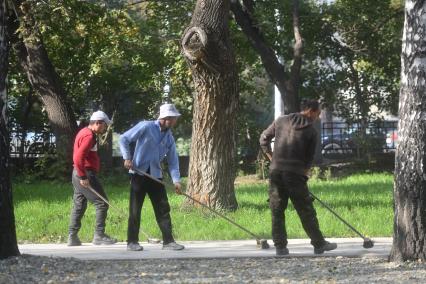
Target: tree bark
(287,84)
(207,48)
(8,242)
(45,80)
(409,235)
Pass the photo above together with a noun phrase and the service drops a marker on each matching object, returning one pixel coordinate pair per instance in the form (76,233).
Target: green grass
(42,211)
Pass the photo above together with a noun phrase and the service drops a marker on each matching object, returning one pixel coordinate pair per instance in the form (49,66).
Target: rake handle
(121,213)
(101,197)
(221,215)
(148,175)
(328,207)
(335,214)
(199,202)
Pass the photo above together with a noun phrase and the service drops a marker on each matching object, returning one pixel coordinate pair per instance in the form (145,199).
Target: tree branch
(287,85)
(298,47)
(270,61)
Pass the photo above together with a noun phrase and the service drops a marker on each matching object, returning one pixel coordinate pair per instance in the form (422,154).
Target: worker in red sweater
(84,180)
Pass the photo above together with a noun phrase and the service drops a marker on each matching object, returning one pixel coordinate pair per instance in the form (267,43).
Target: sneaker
(73,240)
(173,246)
(134,247)
(281,251)
(103,239)
(325,247)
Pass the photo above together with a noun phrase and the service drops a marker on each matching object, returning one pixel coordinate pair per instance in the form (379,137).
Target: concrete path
(209,249)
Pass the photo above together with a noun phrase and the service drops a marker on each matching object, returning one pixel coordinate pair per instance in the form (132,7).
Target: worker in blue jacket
(153,142)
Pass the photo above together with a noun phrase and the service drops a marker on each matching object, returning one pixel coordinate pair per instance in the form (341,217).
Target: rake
(121,213)
(262,243)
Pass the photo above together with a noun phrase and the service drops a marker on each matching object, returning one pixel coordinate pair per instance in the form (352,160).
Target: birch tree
(409,235)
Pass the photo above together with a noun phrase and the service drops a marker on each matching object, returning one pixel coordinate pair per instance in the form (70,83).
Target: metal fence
(346,138)
(31,144)
(336,138)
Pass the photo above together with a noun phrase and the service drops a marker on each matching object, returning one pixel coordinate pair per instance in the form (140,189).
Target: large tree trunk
(409,236)
(8,242)
(287,84)
(208,50)
(44,79)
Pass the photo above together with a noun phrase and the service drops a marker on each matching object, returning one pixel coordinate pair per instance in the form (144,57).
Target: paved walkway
(209,249)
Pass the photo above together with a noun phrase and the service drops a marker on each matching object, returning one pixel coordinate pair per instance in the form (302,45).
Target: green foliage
(369,37)
(327,175)
(183,146)
(106,58)
(318,174)
(315,173)
(365,200)
(120,58)
(262,168)
(170,19)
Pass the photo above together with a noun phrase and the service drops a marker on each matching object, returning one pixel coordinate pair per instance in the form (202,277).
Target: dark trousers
(140,186)
(285,185)
(81,195)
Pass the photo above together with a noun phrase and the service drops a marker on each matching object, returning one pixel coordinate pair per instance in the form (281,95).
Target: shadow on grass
(254,206)
(370,188)
(360,195)
(338,205)
(251,196)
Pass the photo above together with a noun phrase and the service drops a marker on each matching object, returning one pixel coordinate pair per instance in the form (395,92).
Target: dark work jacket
(294,145)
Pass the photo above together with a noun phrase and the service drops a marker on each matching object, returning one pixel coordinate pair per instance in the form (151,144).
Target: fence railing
(341,137)
(336,138)
(32,145)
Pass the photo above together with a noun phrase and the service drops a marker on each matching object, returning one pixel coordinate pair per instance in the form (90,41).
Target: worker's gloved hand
(178,188)
(128,164)
(84,183)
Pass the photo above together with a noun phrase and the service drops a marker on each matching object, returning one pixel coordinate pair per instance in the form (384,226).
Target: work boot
(325,247)
(73,240)
(173,246)
(103,239)
(281,251)
(134,247)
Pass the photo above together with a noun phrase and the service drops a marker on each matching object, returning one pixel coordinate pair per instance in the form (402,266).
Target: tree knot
(194,43)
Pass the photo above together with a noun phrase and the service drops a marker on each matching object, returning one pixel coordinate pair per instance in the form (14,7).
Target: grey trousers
(80,198)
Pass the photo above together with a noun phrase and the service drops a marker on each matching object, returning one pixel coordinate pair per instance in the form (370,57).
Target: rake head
(154,241)
(368,243)
(262,244)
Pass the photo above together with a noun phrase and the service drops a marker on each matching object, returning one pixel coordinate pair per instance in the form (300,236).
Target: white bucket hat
(168,110)
(100,115)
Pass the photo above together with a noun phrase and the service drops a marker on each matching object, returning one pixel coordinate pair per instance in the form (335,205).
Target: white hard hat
(168,110)
(100,115)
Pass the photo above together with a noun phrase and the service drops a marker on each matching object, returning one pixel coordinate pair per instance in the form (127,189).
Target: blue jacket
(152,146)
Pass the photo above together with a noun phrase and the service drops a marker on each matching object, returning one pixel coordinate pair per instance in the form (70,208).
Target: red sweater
(85,154)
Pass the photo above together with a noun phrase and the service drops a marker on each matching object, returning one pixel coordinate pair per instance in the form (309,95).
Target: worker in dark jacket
(291,160)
